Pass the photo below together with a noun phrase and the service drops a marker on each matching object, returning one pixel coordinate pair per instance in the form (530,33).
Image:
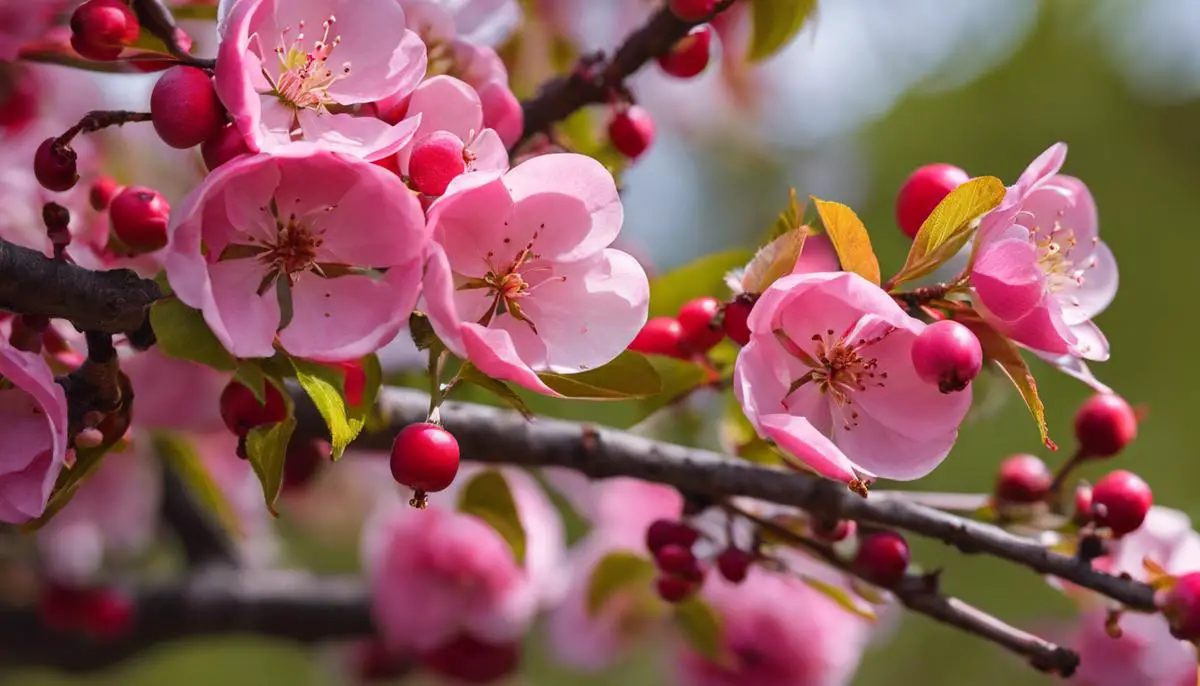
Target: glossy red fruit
(692,10)
(303,461)
(139,218)
(471,661)
(697,318)
(922,191)
(241,411)
(734,564)
(425,457)
(689,57)
(660,336)
(1120,501)
(1104,425)
(882,558)
(631,131)
(736,319)
(101,28)
(1181,606)
(1023,479)
(436,160)
(224,145)
(184,107)
(664,532)
(109,614)
(54,166)
(674,589)
(840,531)
(947,355)
(102,192)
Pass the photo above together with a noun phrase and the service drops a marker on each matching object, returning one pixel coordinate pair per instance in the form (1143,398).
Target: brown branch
(156,17)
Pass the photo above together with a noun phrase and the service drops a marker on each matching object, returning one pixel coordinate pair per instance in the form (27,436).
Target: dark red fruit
(374,662)
(184,107)
(54,166)
(1121,501)
(674,589)
(1181,606)
(692,10)
(241,411)
(436,160)
(734,564)
(102,192)
(469,660)
(425,457)
(921,193)
(660,336)
(100,29)
(224,145)
(631,131)
(303,462)
(948,355)
(689,57)
(664,532)
(63,608)
(20,97)
(679,561)
(139,218)
(109,614)
(882,558)
(1023,479)
(1104,425)
(696,319)
(736,319)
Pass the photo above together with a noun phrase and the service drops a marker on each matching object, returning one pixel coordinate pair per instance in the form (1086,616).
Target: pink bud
(1023,479)
(224,145)
(100,29)
(184,107)
(19,99)
(139,218)
(678,560)
(696,318)
(882,558)
(947,354)
(734,564)
(436,160)
(54,166)
(689,57)
(102,192)
(692,10)
(1181,606)
(1120,501)
(631,131)
(1104,425)
(660,336)
(921,193)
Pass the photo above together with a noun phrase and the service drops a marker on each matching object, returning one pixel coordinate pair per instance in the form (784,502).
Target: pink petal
(1041,168)
(438,301)
(474,220)
(366,137)
(1074,367)
(379,222)
(797,437)
(27,491)
(492,350)
(447,104)
(1007,278)
(1042,329)
(502,112)
(1090,342)
(242,320)
(817,255)
(490,153)
(887,452)
(349,316)
(236,62)
(1099,288)
(570,200)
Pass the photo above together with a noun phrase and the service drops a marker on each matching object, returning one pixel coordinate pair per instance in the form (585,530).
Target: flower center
(839,367)
(1054,258)
(304,75)
(294,248)
(511,283)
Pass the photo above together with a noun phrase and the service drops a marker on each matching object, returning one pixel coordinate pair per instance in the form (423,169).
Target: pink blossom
(436,573)
(316,222)
(447,104)
(173,393)
(777,631)
(22,21)
(827,375)
(523,280)
(1041,272)
(291,69)
(33,434)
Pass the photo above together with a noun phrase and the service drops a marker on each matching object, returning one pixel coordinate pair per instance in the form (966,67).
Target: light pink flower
(315,222)
(33,434)
(173,393)
(22,21)
(446,104)
(827,375)
(291,69)
(524,280)
(1041,272)
(777,631)
(435,573)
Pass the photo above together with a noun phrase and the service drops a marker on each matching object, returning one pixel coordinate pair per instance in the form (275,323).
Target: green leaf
(580,134)
(471,374)
(180,454)
(251,375)
(737,431)
(195,10)
(183,333)
(326,387)
(422,332)
(705,276)
(488,497)
(266,448)
(1008,357)
(950,226)
(616,571)
(700,626)
(843,597)
(775,23)
(850,239)
(630,375)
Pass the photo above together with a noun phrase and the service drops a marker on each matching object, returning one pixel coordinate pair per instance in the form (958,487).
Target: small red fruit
(674,589)
(100,29)
(1120,501)
(424,458)
(947,354)
(736,319)
(631,131)
(692,10)
(303,462)
(734,564)
(696,318)
(664,532)
(1181,606)
(921,193)
(241,411)
(108,614)
(471,661)
(689,57)
(1104,425)
(660,336)
(436,160)
(1023,479)
(184,107)
(139,218)
(224,145)
(679,561)
(63,608)
(882,558)
(102,192)
(54,166)
(840,531)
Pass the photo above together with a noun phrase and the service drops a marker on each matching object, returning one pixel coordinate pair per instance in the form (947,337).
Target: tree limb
(156,17)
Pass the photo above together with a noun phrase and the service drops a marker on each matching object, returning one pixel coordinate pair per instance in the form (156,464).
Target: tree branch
(156,17)
(111,302)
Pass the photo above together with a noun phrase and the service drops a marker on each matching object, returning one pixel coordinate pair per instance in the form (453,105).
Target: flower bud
(54,166)
(1120,501)
(1023,479)
(631,131)
(139,218)
(664,532)
(689,57)
(184,107)
(100,29)
(436,160)
(1104,425)
(882,558)
(947,354)
(692,10)
(921,193)
(1181,606)
(696,319)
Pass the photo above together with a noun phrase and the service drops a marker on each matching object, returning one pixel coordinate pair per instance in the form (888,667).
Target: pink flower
(524,280)
(291,69)
(827,375)
(1146,653)
(317,223)
(33,434)
(777,631)
(1041,272)
(436,573)
(479,22)
(447,104)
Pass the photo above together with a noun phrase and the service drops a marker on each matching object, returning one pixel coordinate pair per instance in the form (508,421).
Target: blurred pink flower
(173,393)
(22,21)
(33,434)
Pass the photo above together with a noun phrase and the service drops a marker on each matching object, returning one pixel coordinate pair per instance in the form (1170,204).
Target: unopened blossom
(319,224)
(523,280)
(436,573)
(828,376)
(1041,272)
(33,434)
(447,104)
(295,69)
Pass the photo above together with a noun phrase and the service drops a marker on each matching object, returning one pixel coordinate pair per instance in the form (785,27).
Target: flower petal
(244,321)
(347,317)
(797,437)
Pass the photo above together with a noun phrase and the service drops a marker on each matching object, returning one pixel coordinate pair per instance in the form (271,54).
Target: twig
(94,390)
(156,18)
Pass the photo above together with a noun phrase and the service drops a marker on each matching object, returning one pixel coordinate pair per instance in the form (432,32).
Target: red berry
(946,353)
(1120,501)
(1083,504)
(354,381)
(921,193)
(664,532)
(660,336)
(54,166)
(374,662)
(224,145)
(241,411)
(696,318)
(436,160)
(62,608)
(734,564)
(108,614)
(20,96)
(692,10)
(840,531)
(424,457)
(736,320)
(471,661)
(1181,606)
(101,28)
(139,218)
(689,57)
(184,107)
(102,192)
(674,589)
(1104,425)
(882,558)
(303,461)
(678,560)
(631,131)
(1023,479)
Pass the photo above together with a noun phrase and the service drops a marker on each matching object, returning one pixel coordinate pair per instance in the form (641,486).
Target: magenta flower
(318,224)
(33,434)
(1041,272)
(523,280)
(828,376)
(294,70)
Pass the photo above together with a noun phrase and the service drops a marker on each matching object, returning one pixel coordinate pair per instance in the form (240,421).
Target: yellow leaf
(949,226)
(774,261)
(1007,356)
(775,23)
(850,239)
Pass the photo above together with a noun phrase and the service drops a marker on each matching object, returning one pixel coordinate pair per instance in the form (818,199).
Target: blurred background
(869,92)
